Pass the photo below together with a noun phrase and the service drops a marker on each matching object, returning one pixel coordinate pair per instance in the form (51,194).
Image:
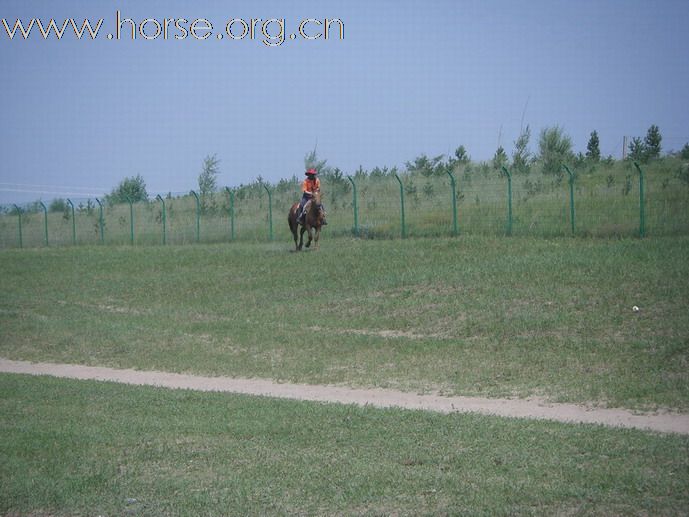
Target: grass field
(88,448)
(473,316)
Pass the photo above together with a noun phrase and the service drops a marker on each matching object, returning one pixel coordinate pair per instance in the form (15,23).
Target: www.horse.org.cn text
(272,32)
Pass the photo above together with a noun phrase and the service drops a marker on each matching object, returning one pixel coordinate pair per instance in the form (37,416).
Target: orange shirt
(310,185)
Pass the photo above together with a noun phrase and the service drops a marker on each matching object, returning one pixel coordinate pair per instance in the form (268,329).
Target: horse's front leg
(308,243)
(301,238)
(317,236)
(294,230)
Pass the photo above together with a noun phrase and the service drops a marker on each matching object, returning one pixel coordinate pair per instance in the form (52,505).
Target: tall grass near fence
(607,202)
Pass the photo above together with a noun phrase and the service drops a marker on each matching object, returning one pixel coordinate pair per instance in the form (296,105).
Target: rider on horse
(309,186)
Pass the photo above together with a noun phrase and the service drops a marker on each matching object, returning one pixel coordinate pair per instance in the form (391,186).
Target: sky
(408,77)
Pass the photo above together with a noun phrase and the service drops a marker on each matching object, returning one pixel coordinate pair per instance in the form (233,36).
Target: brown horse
(312,221)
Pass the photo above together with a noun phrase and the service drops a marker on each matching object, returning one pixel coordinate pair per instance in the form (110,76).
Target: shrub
(134,188)
(58,205)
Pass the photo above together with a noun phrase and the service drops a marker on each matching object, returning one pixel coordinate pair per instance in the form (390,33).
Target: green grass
(89,448)
(479,316)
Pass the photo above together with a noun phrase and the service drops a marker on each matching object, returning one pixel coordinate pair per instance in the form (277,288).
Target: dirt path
(515,408)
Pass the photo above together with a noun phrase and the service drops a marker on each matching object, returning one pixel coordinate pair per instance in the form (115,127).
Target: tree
(499,158)
(593,147)
(461,155)
(311,161)
(684,153)
(555,149)
(426,166)
(637,150)
(460,158)
(132,188)
(208,179)
(521,156)
(652,143)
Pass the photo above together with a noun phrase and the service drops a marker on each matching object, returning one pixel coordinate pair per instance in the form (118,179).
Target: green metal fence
(628,199)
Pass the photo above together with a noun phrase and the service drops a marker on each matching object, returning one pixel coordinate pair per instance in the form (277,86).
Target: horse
(312,221)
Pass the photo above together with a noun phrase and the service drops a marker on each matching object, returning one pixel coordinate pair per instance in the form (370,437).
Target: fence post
(100,220)
(571,196)
(231,194)
(453,183)
(509,200)
(45,221)
(131,219)
(159,198)
(270,211)
(404,232)
(74,224)
(355,205)
(198,216)
(19,213)
(642,201)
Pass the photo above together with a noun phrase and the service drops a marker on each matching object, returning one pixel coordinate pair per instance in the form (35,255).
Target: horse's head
(315,211)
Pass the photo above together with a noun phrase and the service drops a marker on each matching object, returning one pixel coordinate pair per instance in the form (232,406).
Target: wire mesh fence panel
(541,205)
(608,202)
(428,205)
(484,201)
(667,201)
(338,202)
(252,216)
(379,208)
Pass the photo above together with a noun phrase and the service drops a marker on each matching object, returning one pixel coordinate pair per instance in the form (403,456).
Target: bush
(132,188)
(58,205)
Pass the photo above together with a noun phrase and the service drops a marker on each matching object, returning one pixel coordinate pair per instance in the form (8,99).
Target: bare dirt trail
(514,408)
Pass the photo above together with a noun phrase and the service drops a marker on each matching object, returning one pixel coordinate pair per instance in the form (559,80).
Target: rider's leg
(300,210)
(302,205)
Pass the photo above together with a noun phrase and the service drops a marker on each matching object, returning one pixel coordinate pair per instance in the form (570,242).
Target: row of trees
(134,188)
(554,149)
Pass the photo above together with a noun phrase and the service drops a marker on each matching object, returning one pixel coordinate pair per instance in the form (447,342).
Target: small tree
(637,149)
(521,156)
(132,188)
(499,158)
(311,161)
(684,153)
(555,148)
(461,155)
(208,179)
(460,158)
(593,147)
(426,166)
(652,143)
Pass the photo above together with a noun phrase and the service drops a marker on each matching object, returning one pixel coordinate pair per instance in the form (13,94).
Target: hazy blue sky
(409,77)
